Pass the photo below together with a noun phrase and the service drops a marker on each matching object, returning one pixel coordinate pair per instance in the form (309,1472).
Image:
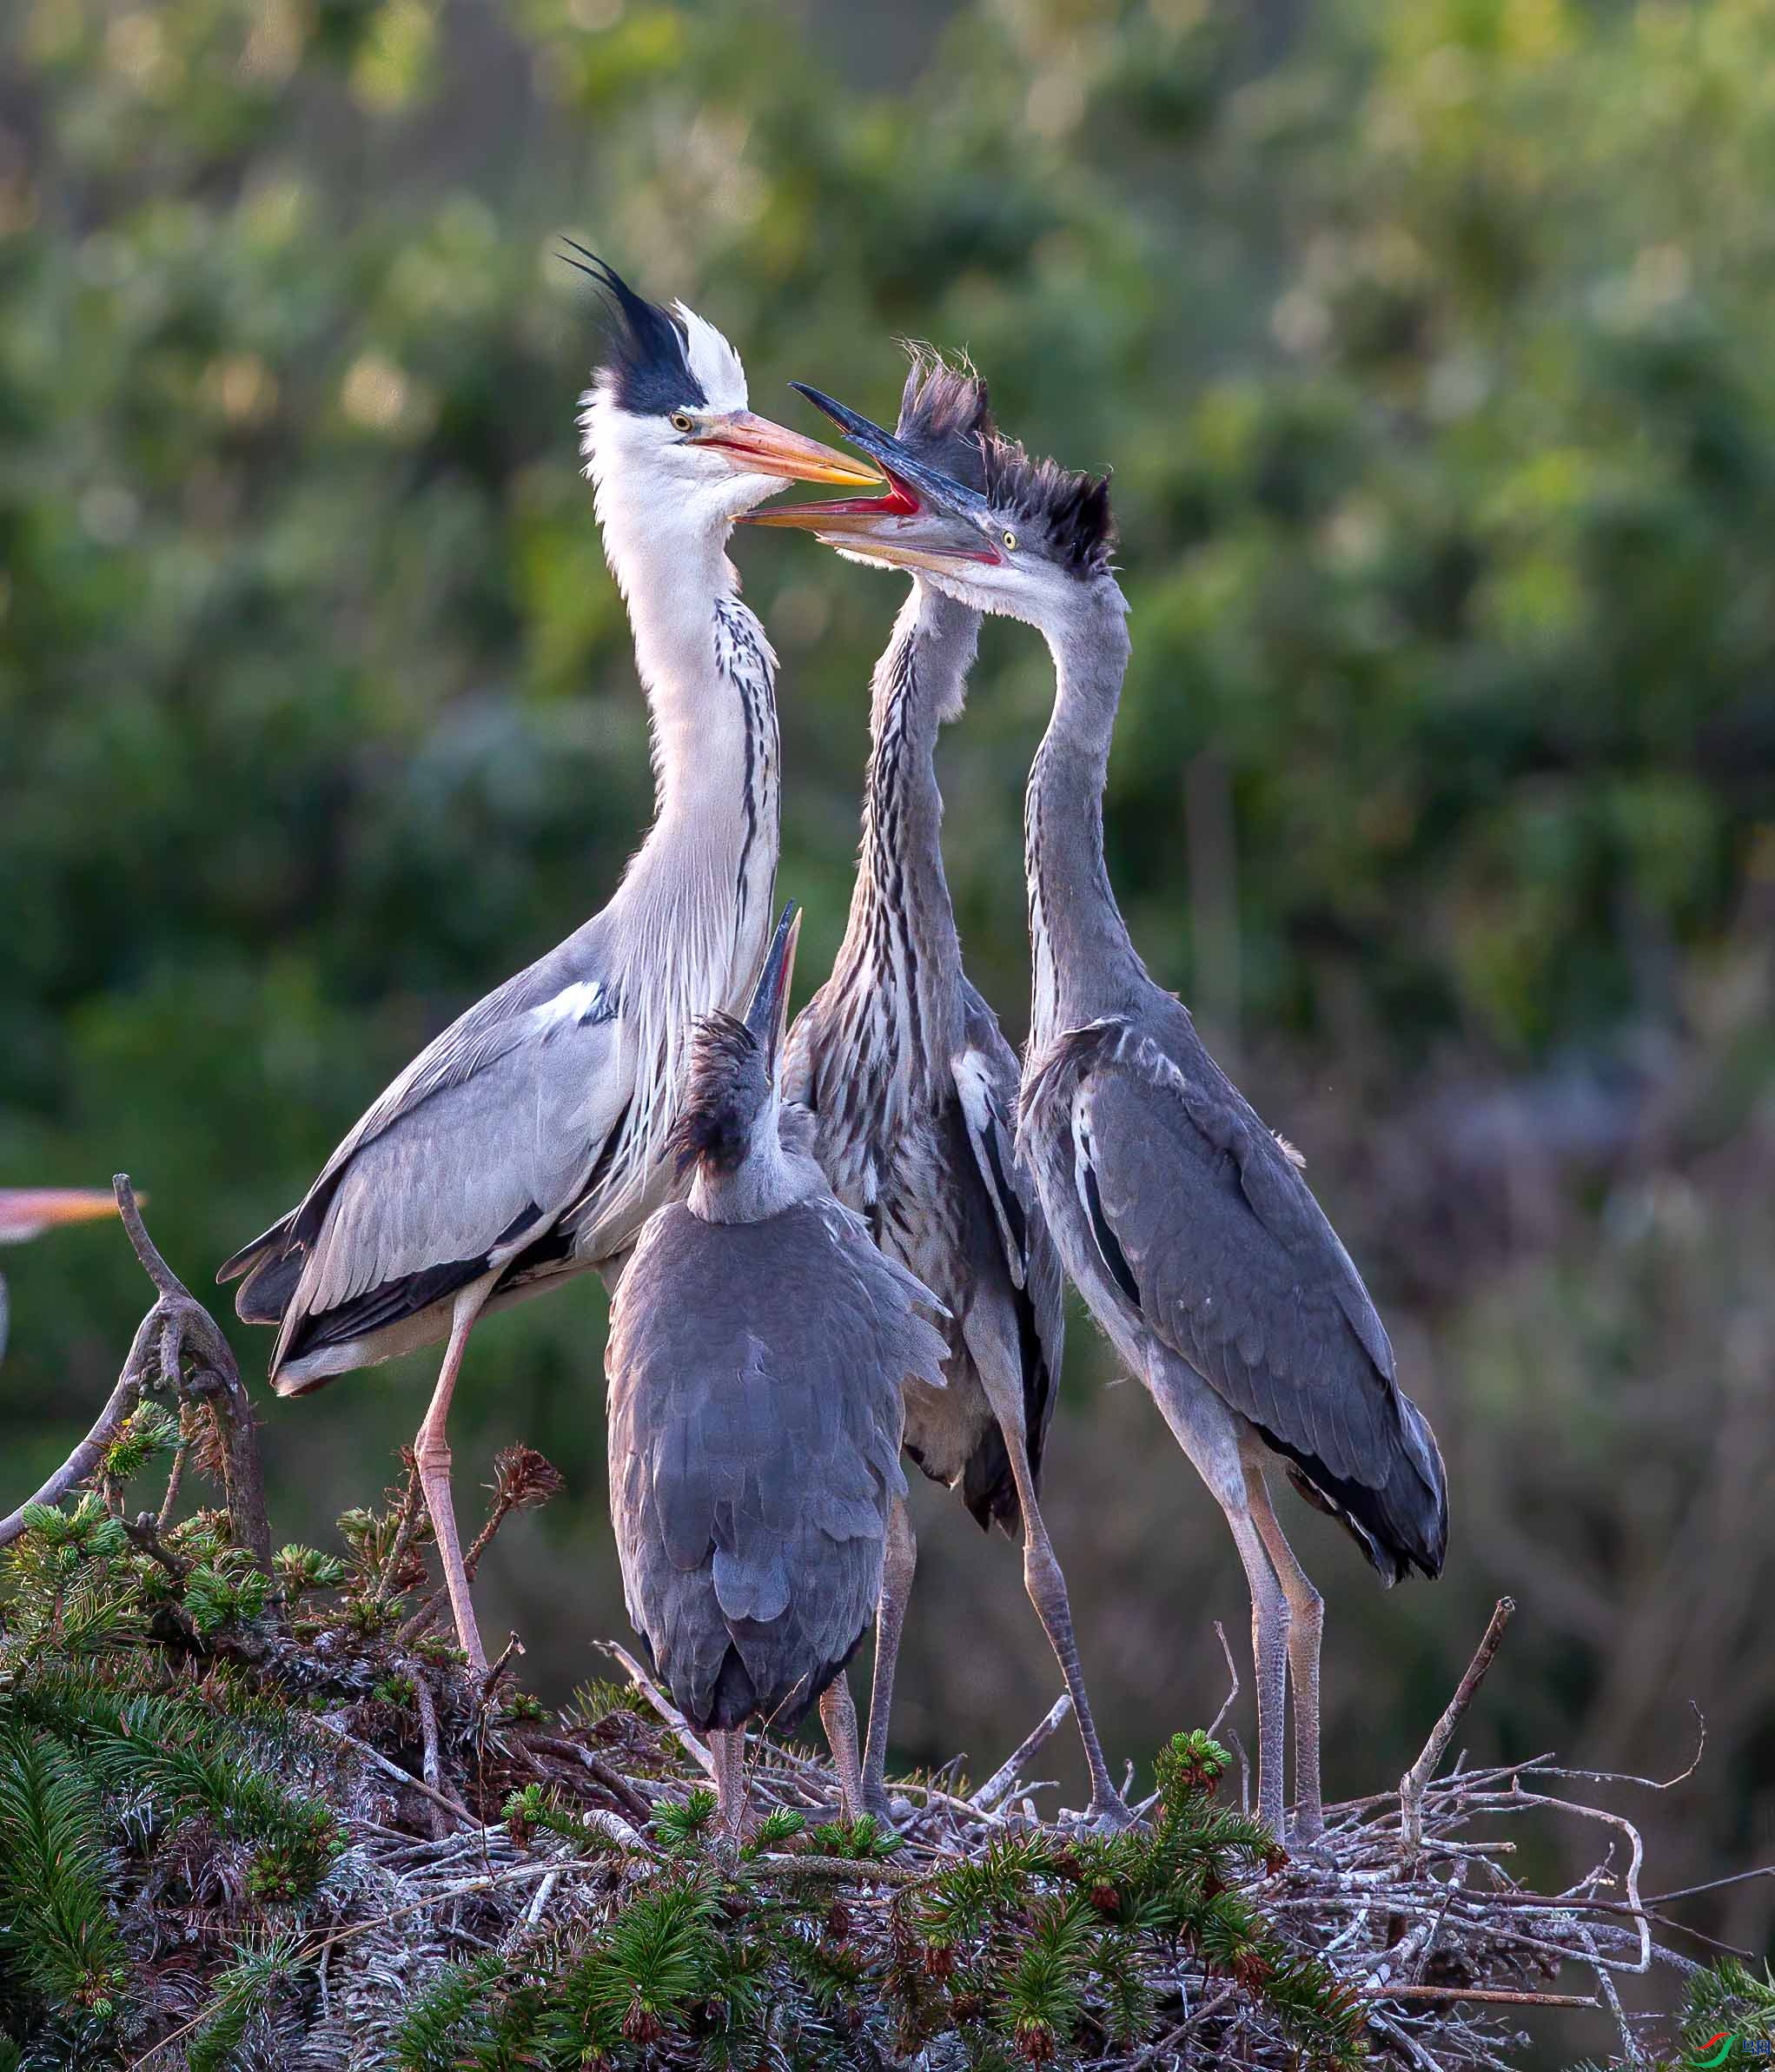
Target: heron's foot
(1109,1813)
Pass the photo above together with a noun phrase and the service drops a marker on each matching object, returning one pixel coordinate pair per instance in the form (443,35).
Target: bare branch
(86,1456)
(1003,1780)
(1412,1784)
(1233,1673)
(694,1747)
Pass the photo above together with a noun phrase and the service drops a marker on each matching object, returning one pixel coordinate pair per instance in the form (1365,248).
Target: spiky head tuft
(726,1087)
(1068,514)
(946,414)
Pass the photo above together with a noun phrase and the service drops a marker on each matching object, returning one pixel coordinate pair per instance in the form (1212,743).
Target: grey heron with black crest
(529,1140)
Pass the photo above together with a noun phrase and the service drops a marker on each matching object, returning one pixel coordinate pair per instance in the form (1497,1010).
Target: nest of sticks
(1410,1902)
(482,1839)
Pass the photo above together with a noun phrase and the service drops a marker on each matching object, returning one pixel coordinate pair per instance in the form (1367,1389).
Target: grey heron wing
(987,1083)
(1206,1223)
(459,1180)
(569,982)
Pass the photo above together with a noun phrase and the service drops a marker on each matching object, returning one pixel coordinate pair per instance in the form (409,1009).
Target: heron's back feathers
(756,1374)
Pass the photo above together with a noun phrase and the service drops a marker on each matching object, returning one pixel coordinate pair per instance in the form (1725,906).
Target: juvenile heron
(27,1212)
(1185,1222)
(758,1347)
(912,1089)
(528,1140)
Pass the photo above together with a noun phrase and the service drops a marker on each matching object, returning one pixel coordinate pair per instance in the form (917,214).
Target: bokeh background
(1429,342)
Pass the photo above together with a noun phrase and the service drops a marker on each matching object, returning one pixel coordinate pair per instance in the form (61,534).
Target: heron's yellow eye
(681,421)
(1010,541)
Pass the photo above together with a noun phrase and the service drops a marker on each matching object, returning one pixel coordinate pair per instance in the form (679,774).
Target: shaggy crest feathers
(945,415)
(647,364)
(1072,511)
(723,1086)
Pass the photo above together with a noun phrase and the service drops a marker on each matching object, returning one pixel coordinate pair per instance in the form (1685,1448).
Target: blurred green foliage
(1429,344)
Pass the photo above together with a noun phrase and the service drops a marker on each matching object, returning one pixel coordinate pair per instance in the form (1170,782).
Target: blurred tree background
(1429,344)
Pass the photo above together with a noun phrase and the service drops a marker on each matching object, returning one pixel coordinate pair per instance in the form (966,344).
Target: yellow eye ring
(1010,541)
(681,421)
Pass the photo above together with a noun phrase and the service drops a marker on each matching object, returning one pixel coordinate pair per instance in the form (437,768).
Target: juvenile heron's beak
(754,445)
(27,1212)
(768,1016)
(927,521)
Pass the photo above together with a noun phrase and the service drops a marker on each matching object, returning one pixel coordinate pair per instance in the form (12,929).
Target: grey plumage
(1210,1236)
(528,1140)
(755,1374)
(1186,1224)
(759,1345)
(912,1090)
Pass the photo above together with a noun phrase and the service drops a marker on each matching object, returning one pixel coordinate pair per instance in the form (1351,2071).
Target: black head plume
(1067,514)
(944,415)
(725,1091)
(647,360)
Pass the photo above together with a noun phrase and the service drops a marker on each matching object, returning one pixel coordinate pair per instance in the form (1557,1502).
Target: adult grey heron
(759,1343)
(529,1140)
(1186,1223)
(27,1212)
(912,1089)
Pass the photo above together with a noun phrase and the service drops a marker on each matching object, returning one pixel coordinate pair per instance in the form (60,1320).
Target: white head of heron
(669,443)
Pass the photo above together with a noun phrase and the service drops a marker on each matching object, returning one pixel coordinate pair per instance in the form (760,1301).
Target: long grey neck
(901,937)
(1084,965)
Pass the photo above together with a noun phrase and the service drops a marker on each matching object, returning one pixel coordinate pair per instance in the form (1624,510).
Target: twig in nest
(610,1780)
(834,1870)
(175,1475)
(410,1500)
(1714,1884)
(375,1757)
(497,1668)
(1002,1782)
(145,1534)
(694,1747)
(1233,1673)
(429,1759)
(1493,1995)
(1413,1784)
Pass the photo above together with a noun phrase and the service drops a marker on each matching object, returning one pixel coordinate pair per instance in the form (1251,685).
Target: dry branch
(1411,1785)
(1003,1781)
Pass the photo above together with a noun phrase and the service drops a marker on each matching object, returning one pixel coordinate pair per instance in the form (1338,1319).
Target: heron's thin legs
(728,1748)
(1305,1626)
(837,1715)
(431,1454)
(899,1563)
(1269,1656)
(1047,1587)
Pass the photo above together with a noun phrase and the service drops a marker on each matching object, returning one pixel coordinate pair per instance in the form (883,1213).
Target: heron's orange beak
(27,1211)
(756,446)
